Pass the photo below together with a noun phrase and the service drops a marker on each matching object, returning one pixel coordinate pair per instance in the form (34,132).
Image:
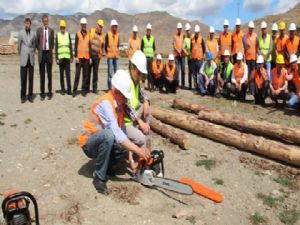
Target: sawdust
(125,193)
(72,214)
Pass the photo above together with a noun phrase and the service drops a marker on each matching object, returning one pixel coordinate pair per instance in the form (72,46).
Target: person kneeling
(294,76)
(261,81)
(224,77)
(207,81)
(157,73)
(170,71)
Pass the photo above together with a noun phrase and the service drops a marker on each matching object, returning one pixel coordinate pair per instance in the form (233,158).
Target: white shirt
(47,41)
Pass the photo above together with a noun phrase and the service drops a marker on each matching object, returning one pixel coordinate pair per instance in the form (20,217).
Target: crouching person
(261,82)
(224,76)
(102,137)
(207,76)
(279,84)
(170,72)
(239,77)
(157,73)
(294,76)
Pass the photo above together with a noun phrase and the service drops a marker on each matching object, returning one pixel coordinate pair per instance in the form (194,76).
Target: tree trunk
(174,136)
(229,136)
(271,130)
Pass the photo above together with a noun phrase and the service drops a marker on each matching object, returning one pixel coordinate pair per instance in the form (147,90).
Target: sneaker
(100,186)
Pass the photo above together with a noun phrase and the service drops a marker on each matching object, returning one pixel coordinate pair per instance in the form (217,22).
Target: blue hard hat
(209,56)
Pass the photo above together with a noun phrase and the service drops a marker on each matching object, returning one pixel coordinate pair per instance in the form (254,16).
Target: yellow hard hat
(62,23)
(279,59)
(101,23)
(282,25)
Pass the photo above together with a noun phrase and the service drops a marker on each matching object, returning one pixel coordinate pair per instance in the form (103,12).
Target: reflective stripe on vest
(157,69)
(292,46)
(197,50)
(225,42)
(83,46)
(96,43)
(179,41)
(134,101)
(212,46)
(264,46)
(239,72)
(188,42)
(278,82)
(170,72)
(63,42)
(238,45)
(251,46)
(134,45)
(280,44)
(112,47)
(148,46)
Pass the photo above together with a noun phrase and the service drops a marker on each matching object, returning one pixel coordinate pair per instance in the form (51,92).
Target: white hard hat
(275,26)
(293,58)
(158,57)
(179,26)
(187,26)
(239,56)
(135,28)
(122,82)
(113,23)
(171,57)
(226,22)
(197,28)
(260,59)
(292,27)
(263,25)
(139,60)
(211,29)
(226,52)
(83,21)
(238,21)
(251,24)
(149,27)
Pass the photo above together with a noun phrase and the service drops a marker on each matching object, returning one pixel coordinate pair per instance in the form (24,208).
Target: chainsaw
(15,208)
(150,173)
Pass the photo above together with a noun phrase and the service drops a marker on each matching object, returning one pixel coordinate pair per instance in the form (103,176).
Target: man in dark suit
(45,45)
(26,47)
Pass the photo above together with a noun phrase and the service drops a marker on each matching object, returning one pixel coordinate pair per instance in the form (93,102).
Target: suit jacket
(26,47)
(39,42)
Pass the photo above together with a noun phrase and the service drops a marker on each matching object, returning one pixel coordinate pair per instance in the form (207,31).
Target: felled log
(271,130)
(8,49)
(174,136)
(249,142)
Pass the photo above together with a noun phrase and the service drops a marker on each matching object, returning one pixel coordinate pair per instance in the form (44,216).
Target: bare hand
(146,109)
(77,60)
(57,62)
(144,153)
(71,61)
(145,128)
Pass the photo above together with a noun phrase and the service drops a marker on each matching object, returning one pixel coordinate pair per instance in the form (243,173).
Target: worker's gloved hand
(145,128)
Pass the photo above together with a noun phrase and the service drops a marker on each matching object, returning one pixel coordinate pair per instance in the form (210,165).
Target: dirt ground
(39,153)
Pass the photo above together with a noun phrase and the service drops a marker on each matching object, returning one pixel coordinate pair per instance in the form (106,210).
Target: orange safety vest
(83,51)
(238,45)
(179,40)
(251,46)
(239,72)
(157,70)
(296,79)
(112,47)
(197,50)
(134,45)
(170,72)
(212,46)
(278,82)
(292,46)
(259,79)
(97,41)
(280,44)
(93,123)
(225,42)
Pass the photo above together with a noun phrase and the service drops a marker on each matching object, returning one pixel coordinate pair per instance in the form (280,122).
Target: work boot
(100,186)
(50,95)
(30,99)
(23,100)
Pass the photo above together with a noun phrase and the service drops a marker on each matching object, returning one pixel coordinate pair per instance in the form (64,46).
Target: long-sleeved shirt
(244,78)
(142,44)
(76,43)
(70,46)
(213,65)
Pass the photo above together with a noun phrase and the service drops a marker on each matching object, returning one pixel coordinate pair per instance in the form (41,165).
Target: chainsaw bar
(173,185)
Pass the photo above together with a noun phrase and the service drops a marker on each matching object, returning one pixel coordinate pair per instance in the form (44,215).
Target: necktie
(45,39)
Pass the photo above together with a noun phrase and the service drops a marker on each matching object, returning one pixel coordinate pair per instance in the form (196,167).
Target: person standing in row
(265,45)
(188,52)
(82,55)
(45,45)
(292,45)
(237,40)
(178,46)
(64,56)
(212,45)
(112,43)
(26,48)
(148,47)
(134,43)
(97,46)
(274,36)
(281,40)
(225,41)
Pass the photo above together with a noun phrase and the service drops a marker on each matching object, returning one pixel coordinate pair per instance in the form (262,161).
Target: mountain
(163,24)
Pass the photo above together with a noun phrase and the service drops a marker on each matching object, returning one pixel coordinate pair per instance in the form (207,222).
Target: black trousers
(190,72)
(262,93)
(196,66)
(171,86)
(95,67)
(26,71)
(251,67)
(83,64)
(64,67)
(46,64)
(159,83)
(149,76)
(240,94)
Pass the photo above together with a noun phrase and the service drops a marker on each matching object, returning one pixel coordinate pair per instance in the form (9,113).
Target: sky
(211,12)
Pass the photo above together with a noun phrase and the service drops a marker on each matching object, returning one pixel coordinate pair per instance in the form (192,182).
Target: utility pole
(238,9)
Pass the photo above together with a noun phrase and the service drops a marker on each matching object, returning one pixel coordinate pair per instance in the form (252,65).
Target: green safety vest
(134,101)
(229,69)
(188,45)
(264,46)
(63,50)
(208,70)
(148,46)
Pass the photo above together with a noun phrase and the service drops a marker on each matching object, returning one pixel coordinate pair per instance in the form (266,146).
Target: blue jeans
(180,65)
(294,101)
(111,64)
(268,67)
(211,86)
(101,146)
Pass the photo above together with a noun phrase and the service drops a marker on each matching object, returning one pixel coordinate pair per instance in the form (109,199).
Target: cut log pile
(233,131)
(8,49)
